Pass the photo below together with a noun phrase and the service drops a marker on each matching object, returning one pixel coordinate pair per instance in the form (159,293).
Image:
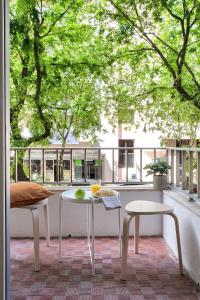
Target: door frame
(4,149)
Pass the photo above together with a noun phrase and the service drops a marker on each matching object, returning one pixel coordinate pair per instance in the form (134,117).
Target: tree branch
(164,43)
(194,6)
(196,41)
(36,50)
(192,74)
(146,38)
(173,14)
(69,127)
(147,93)
(58,108)
(58,18)
(176,17)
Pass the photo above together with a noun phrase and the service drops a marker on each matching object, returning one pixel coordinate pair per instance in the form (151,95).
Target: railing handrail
(87,148)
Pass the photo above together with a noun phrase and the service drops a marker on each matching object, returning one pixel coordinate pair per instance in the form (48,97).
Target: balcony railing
(185,169)
(119,165)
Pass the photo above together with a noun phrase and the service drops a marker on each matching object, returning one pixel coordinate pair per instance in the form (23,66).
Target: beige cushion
(27,193)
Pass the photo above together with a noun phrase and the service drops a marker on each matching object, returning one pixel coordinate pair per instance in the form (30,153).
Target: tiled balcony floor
(152,274)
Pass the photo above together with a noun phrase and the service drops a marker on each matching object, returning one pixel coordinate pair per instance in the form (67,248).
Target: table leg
(92,217)
(35,217)
(60,229)
(88,224)
(137,232)
(120,237)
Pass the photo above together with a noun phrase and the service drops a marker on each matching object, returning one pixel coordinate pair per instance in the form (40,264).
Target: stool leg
(137,230)
(46,220)
(35,217)
(125,237)
(178,242)
(120,237)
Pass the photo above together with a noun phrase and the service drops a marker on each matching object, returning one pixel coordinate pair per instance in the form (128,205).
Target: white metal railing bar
(140,165)
(71,166)
(126,164)
(177,168)
(29,163)
(184,177)
(186,171)
(190,172)
(15,160)
(172,166)
(113,165)
(43,171)
(167,159)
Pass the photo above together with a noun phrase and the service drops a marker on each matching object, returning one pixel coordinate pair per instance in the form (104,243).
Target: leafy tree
(77,114)
(156,59)
(48,51)
(72,60)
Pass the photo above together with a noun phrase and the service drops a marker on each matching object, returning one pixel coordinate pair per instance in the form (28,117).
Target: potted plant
(159,169)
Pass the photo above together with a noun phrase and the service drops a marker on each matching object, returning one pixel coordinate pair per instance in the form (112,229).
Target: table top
(69,196)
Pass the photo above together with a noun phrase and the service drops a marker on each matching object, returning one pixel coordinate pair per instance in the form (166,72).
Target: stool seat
(36,205)
(140,207)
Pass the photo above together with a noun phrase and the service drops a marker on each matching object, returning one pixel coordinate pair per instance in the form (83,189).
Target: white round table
(90,201)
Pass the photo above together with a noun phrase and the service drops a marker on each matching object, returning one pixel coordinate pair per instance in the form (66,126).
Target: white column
(190,172)
(177,168)
(184,177)
(4,150)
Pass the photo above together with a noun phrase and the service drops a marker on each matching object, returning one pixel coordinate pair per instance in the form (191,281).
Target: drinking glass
(95,186)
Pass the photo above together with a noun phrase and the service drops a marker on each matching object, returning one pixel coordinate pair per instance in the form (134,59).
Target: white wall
(189,223)
(74,217)
(142,139)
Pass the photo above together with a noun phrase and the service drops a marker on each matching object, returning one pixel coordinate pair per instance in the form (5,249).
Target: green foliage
(131,61)
(155,62)
(54,72)
(160,167)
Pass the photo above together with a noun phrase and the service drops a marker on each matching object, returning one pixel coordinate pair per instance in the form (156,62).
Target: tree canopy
(130,60)
(52,71)
(157,44)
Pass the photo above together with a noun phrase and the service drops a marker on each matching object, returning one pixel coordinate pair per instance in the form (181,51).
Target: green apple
(79,194)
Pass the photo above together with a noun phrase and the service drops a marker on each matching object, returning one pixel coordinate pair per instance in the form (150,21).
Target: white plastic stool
(34,208)
(135,209)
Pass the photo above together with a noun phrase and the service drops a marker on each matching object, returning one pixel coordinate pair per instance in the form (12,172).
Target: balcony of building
(154,272)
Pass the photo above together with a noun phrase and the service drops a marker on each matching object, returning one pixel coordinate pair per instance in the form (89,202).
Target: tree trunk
(21,174)
(61,164)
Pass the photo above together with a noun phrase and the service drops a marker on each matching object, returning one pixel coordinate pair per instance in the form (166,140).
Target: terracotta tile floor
(152,274)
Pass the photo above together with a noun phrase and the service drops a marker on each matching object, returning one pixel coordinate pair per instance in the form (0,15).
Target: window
(122,153)
(49,164)
(66,165)
(35,166)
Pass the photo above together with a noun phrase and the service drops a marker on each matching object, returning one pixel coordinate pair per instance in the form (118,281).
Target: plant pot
(160,182)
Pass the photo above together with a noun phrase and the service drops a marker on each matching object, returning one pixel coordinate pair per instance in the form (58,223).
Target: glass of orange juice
(95,186)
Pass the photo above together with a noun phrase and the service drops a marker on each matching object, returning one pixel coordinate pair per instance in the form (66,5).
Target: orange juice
(95,188)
